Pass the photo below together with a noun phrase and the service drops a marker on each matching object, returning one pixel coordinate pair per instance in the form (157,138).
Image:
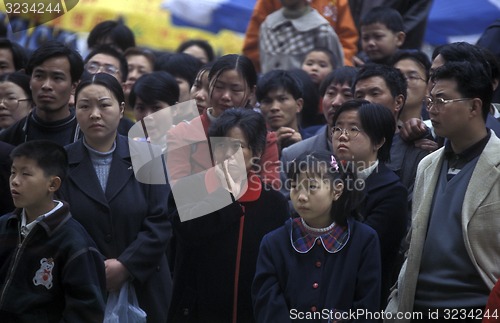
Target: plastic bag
(123,307)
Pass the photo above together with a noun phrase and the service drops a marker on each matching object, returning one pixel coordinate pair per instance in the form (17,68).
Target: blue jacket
(347,280)
(55,274)
(128,222)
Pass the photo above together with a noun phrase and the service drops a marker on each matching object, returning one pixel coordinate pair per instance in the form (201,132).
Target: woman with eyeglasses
(15,98)
(362,135)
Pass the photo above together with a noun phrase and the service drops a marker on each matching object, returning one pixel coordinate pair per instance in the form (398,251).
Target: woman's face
(199,91)
(14,104)
(227,150)
(228,90)
(183,89)
(356,145)
(98,113)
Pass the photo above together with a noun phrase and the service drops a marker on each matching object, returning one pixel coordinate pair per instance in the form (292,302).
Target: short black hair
(324,50)
(19,54)
(473,81)
(153,87)
(395,80)
(104,79)
(319,163)
(180,65)
(340,75)
(279,79)
(49,156)
(417,56)
(139,51)
(387,16)
(51,49)
(203,44)
(117,32)
(251,123)
(377,122)
(106,49)
(20,79)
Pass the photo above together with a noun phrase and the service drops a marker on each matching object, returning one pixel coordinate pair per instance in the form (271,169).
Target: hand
(116,274)
(426,144)
(357,61)
(413,129)
(287,136)
(226,179)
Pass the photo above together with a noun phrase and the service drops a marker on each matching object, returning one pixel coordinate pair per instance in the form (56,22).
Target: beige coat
(480,223)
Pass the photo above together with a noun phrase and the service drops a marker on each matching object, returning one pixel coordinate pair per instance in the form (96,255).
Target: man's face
(51,85)
(450,119)
(280,109)
(6,61)
(335,95)
(416,78)
(375,90)
(379,42)
(103,63)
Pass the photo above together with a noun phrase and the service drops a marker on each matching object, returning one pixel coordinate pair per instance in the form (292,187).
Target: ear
(476,108)
(73,87)
(380,144)
(399,102)
(400,38)
(337,191)
(300,104)
(122,109)
(54,183)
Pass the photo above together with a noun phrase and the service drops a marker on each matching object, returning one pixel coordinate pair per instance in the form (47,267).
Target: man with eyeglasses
(452,262)
(55,71)
(386,85)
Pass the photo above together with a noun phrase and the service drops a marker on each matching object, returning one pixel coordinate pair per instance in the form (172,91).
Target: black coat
(128,222)
(206,250)
(385,209)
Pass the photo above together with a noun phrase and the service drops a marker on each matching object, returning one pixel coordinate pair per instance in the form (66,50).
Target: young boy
(382,34)
(289,33)
(280,96)
(50,269)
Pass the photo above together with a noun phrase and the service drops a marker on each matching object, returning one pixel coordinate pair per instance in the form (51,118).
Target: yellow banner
(150,23)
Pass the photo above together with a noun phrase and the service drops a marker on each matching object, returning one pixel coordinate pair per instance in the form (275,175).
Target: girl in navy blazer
(323,265)
(127,219)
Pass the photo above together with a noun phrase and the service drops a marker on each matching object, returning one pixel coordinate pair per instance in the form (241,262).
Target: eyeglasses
(94,67)
(413,77)
(351,133)
(438,103)
(12,103)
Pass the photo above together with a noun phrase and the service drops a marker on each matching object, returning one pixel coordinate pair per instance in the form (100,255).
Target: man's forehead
(371,82)
(105,59)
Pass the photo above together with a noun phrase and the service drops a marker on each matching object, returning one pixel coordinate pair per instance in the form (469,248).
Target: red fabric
(184,160)
(492,311)
(343,25)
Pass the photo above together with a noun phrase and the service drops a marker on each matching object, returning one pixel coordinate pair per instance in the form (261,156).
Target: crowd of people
(331,168)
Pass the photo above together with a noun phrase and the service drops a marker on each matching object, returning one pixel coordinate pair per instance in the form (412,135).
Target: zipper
(15,262)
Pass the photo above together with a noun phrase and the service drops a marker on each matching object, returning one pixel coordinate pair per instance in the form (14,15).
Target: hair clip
(334,164)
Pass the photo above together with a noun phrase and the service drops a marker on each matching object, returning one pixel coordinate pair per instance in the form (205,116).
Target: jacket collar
(302,241)
(50,223)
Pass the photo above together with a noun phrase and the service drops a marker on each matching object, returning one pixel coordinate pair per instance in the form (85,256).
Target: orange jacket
(341,21)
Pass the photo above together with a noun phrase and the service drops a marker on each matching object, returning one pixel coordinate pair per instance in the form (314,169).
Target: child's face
(227,91)
(280,109)
(317,65)
(379,42)
(312,198)
(30,187)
